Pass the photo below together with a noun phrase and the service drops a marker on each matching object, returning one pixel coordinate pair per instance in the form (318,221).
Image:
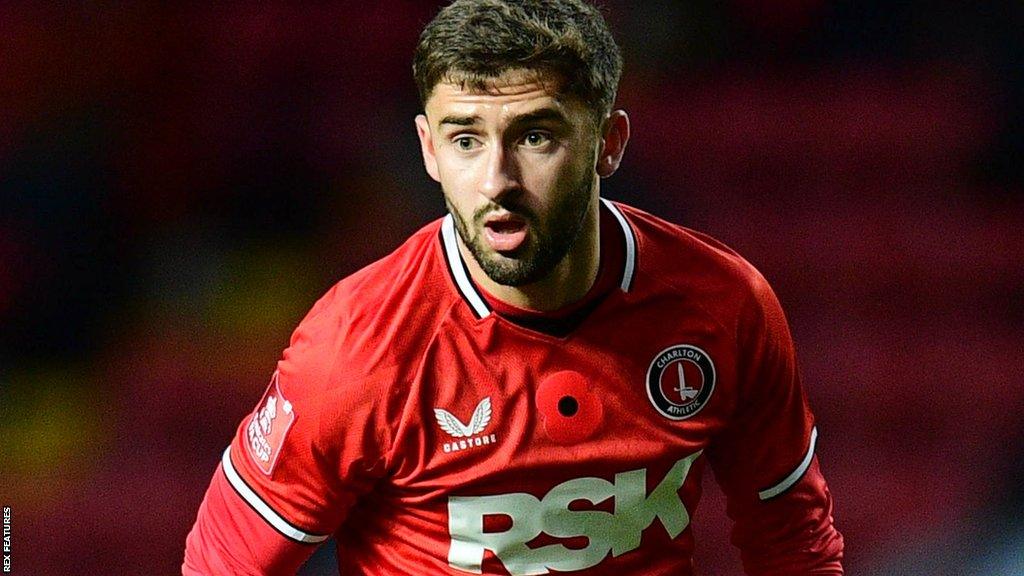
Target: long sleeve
(231,537)
(310,449)
(765,460)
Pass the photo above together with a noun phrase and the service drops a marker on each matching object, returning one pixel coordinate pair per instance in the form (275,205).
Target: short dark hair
(471,42)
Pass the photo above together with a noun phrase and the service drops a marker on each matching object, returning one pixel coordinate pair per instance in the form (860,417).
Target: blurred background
(179,185)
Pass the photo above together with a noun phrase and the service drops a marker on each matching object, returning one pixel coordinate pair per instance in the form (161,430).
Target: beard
(549,241)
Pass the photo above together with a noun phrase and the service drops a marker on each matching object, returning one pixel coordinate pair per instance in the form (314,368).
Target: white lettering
(466,525)
(465,444)
(617,532)
(258,442)
(561,522)
(676,354)
(7,539)
(268,414)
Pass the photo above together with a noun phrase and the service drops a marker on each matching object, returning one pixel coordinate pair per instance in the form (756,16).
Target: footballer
(536,382)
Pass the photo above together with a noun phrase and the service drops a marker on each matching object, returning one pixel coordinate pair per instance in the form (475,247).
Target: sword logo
(685,391)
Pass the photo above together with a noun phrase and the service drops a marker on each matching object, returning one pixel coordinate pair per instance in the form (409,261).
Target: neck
(568,282)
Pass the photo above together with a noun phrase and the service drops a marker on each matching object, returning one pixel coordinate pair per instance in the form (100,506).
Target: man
(535,382)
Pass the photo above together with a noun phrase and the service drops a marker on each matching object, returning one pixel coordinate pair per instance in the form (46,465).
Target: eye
(465,143)
(536,139)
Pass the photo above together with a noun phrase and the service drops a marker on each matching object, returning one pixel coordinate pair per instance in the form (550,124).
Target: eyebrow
(543,114)
(459,120)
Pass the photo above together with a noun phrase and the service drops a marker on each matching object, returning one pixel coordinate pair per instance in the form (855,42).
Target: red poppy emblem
(569,409)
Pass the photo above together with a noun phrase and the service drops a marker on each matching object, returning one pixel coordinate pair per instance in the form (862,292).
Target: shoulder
(372,323)
(402,286)
(691,261)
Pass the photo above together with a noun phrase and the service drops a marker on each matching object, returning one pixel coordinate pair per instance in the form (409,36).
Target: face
(517,167)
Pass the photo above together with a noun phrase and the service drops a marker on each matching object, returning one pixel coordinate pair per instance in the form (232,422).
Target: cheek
(567,183)
(457,174)
(548,177)
(453,181)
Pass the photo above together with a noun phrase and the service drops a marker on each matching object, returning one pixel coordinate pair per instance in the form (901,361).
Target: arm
(231,537)
(296,465)
(765,461)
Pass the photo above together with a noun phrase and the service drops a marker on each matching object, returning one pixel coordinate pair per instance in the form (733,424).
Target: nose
(501,174)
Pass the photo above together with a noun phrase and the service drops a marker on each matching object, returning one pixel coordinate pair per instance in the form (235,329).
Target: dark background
(178,186)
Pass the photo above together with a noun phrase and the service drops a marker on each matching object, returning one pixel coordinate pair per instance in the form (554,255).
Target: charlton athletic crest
(680,381)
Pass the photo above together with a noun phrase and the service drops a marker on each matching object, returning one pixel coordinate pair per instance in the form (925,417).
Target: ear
(615,135)
(427,147)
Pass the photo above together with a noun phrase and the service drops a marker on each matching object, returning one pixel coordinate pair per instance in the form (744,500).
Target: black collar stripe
(458,269)
(627,232)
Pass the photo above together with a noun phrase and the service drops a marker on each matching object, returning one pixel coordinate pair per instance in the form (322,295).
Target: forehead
(501,98)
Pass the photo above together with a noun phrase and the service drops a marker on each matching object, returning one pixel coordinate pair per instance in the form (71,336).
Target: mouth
(505,232)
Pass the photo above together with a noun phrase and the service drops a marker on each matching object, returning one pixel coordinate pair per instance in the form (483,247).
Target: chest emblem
(680,381)
(467,435)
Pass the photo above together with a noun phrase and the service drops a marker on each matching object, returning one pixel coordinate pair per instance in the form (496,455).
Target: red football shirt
(433,430)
